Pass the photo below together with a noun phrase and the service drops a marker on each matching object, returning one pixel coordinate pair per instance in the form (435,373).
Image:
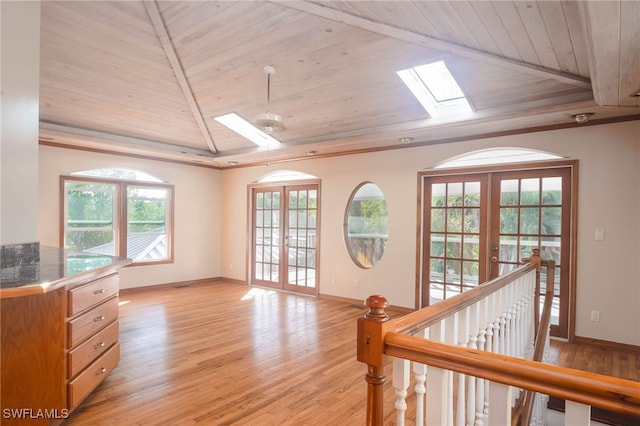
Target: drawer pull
(99,345)
(98,319)
(101,371)
(97,292)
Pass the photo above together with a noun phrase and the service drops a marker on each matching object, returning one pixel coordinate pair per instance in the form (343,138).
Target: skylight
(247,130)
(436,89)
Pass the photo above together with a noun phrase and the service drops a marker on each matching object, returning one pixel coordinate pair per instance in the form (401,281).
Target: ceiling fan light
(269,122)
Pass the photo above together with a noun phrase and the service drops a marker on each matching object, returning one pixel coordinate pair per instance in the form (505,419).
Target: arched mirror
(366,225)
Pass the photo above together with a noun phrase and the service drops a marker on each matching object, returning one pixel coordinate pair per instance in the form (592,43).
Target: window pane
(471,248)
(437,270)
(437,220)
(302,219)
(453,246)
(472,220)
(551,220)
(437,245)
(529,220)
(293,199)
(302,200)
(313,199)
(470,273)
(509,192)
(454,196)
(530,192)
(508,221)
(89,217)
(508,249)
(552,190)
(454,220)
(438,193)
(472,193)
(146,223)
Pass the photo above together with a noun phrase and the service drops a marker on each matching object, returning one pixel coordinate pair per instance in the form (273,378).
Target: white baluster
(420,375)
(473,321)
(499,404)
(401,383)
(577,414)
(439,392)
(451,336)
(463,333)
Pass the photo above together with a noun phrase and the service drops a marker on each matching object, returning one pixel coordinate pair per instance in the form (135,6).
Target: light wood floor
(224,353)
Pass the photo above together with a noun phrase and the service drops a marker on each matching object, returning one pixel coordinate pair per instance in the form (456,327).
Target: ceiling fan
(269,122)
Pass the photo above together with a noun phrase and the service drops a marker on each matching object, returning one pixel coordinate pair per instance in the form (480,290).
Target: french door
(284,234)
(480,226)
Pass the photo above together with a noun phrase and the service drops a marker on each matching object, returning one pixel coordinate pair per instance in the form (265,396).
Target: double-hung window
(118,217)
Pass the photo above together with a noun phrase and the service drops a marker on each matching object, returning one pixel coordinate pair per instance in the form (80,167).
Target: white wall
(211,218)
(197,212)
(608,277)
(20,34)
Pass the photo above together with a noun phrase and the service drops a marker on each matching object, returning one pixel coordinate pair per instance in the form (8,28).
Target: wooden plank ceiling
(147,78)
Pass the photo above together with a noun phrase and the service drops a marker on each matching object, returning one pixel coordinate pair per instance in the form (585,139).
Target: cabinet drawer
(87,324)
(88,351)
(84,297)
(87,381)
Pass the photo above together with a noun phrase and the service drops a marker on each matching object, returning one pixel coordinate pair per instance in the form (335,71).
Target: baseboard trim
(178,284)
(606,344)
(213,280)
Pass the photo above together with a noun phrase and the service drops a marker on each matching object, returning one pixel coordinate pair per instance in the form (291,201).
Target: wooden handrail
(378,335)
(597,390)
(433,314)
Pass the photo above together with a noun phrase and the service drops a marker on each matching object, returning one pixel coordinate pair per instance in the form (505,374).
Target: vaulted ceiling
(147,77)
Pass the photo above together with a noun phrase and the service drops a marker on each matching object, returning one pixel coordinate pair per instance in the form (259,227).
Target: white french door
(284,234)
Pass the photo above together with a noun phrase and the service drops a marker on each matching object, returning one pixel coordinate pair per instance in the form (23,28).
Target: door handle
(494,259)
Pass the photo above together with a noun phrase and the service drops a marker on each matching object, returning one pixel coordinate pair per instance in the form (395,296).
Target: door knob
(494,259)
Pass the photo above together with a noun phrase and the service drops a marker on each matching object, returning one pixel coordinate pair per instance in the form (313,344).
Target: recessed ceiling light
(232,163)
(312,152)
(405,140)
(583,117)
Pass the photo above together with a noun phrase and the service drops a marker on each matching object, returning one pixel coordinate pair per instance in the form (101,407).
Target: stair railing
(476,359)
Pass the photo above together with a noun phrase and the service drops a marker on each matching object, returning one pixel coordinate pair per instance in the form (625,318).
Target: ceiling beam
(615,72)
(432,43)
(176,66)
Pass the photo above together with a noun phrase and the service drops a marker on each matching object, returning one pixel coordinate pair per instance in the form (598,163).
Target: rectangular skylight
(436,89)
(247,130)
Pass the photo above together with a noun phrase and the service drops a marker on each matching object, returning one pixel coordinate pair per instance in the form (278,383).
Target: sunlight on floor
(256,292)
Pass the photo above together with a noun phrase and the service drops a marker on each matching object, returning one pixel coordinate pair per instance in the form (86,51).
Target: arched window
(496,156)
(118,212)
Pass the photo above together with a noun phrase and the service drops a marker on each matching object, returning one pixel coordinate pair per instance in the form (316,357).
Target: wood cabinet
(56,348)
(92,336)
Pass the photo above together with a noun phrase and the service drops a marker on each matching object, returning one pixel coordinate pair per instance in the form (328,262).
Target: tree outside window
(118,217)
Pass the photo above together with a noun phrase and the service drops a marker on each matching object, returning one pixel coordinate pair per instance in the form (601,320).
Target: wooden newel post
(370,348)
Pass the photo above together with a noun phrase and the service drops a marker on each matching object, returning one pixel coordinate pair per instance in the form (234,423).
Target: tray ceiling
(147,78)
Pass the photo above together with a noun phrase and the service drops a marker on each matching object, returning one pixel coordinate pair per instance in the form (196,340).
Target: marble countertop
(32,268)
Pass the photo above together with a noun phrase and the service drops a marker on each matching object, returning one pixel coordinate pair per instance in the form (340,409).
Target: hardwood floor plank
(224,353)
